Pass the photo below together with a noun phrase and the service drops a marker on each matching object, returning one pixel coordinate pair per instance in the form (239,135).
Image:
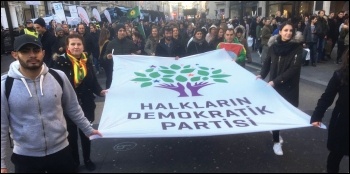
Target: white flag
(59,12)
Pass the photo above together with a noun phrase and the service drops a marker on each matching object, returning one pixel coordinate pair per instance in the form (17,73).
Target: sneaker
(89,165)
(277,148)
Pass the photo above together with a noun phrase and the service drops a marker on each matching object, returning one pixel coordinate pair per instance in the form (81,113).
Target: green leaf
(140,74)
(141,79)
(175,67)
(150,70)
(167,80)
(168,75)
(145,84)
(205,78)
(194,79)
(181,78)
(187,70)
(203,73)
(187,66)
(204,68)
(167,71)
(220,76)
(163,67)
(154,75)
(220,80)
(217,71)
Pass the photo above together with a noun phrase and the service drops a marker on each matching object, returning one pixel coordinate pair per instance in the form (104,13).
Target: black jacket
(197,48)
(86,90)
(121,47)
(175,49)
(284,70)
(338,129)
(48,41)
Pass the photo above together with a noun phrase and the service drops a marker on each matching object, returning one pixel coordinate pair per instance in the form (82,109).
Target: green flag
(141,30)
(133,13)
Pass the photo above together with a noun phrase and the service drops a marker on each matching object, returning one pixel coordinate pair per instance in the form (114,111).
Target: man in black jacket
(47,39)
(168,47)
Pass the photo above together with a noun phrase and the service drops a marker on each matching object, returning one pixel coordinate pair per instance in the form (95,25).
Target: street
(304,148)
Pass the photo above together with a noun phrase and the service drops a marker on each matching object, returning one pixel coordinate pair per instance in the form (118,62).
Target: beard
(31,66)
(168,38)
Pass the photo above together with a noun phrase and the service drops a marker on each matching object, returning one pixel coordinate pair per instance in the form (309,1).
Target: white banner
(32,2)
(73,11)
(201,95)
(96,14)
(83,15)
(59,12)
(108,16)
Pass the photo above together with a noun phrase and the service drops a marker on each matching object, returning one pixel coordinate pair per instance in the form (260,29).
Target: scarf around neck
(283,48)
(79,67)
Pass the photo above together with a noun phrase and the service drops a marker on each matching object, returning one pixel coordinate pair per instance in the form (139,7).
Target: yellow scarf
(79,67)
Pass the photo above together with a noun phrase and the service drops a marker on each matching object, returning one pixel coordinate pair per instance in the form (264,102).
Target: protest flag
(133,13)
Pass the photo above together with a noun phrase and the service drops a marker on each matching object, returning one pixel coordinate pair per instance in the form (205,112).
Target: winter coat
(283,62)
(338,129)
(121,47)
(175,49)
(196,47)
(88,87)
(151,45)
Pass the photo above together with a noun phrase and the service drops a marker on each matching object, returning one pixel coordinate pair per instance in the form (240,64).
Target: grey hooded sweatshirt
(34,113)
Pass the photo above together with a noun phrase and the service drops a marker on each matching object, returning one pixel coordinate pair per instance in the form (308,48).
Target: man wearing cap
(33,111)
(29,29)
(47,39)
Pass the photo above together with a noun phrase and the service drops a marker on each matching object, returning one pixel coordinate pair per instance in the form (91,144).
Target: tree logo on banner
(175,77)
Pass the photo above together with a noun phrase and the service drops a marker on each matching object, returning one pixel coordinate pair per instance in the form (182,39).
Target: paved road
(304,148)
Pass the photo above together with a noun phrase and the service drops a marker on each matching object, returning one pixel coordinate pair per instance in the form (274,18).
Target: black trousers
(333,161)
(107,65)
(59,162)
(73,142)
(276,136)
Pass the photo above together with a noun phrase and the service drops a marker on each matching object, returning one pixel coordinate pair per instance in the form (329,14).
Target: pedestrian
(79,70)
(338,131)
(168,47)
(32,107)
(47,39)
(152,41)
(233,47)
(198,44)
(107,64)
(283,62)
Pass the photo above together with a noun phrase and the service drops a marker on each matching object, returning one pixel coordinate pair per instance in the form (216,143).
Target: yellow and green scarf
(79,67)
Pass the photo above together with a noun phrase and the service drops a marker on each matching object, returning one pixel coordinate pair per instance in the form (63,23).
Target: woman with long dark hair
(338,130)
(283,63)
(107,64)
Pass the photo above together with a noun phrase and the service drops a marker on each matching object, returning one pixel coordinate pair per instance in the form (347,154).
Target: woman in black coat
(338,131)
(79,70)
(283,62)
(198,44)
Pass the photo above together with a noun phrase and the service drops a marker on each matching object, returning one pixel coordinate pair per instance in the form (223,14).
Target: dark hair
(168,29)
(312,18)
(104,35)
(344,70)
(239,30)
(78,36)
(285,24)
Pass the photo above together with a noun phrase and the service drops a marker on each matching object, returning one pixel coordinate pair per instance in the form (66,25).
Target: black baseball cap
(22,40)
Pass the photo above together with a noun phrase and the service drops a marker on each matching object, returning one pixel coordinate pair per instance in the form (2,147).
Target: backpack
(9,83)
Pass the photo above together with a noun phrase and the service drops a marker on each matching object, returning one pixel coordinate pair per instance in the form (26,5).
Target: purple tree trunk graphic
(179,88)
(194,89)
